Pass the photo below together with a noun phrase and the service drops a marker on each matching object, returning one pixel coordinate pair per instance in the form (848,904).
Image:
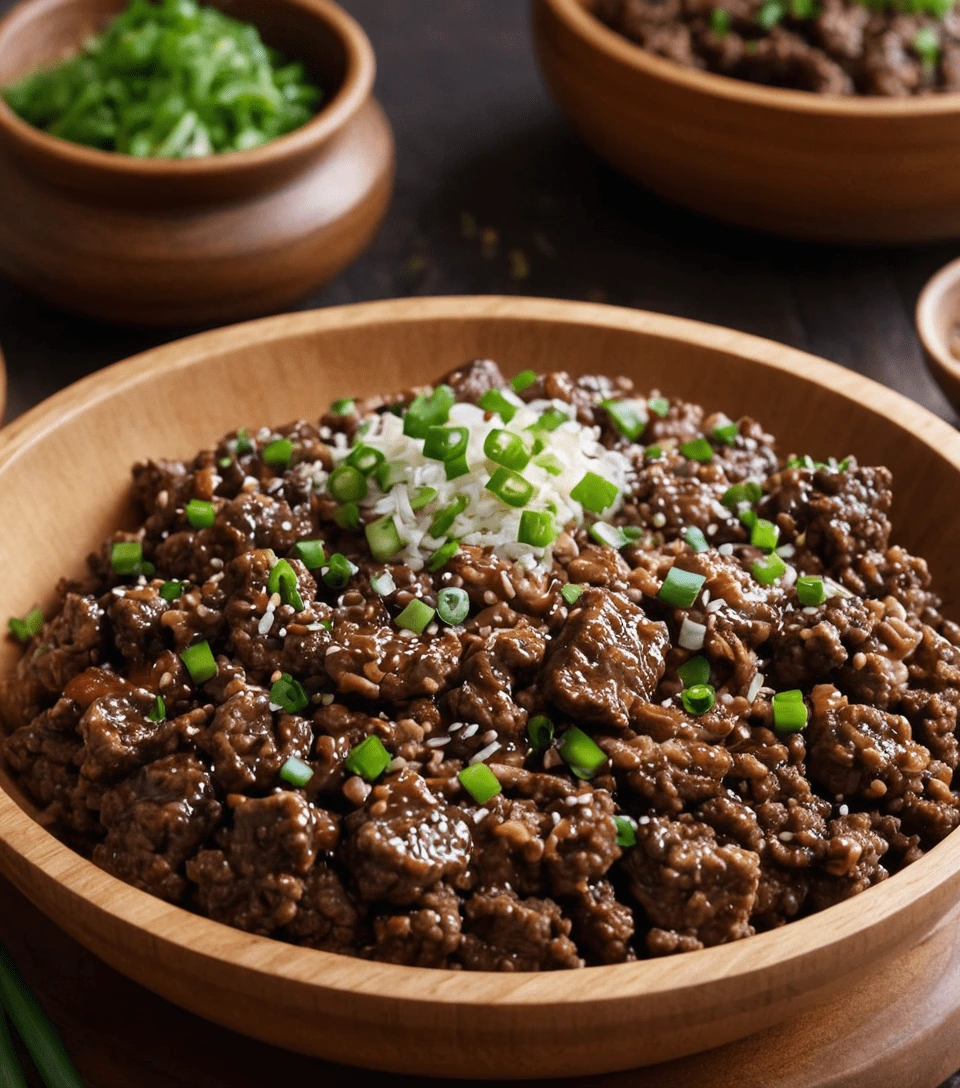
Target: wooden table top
(494,195)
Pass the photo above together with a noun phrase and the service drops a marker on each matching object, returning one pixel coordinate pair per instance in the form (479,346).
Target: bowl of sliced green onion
(173,161)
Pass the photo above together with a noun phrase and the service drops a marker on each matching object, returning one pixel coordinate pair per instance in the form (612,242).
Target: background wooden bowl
(161,242)
(830,169)
(938,317)
(63,485)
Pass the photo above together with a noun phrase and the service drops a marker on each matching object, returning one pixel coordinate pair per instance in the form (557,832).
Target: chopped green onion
(540,730)
(30,625)
(480,782)
(310,553)
(453,605)
(224,462)
(660,406)
(502,402)
(365,459)
(347,515)
(201,514)
(346,406)
(768,569)
(457,467)
(339,571)
(158,711)
(383,538)
(625,418)
(172,591)
(126,557)
(289,694)
(631,532)
(571,593)
(244,443)
(607,535)
(445,443)
(296,772)
(699,449)
(383,584)
(523,380)
(681,587)
(581,753)
(626,831)
(549,462)
(764,535)
(369,759)
(550,420)
(720,22)
(415,617)
(694,672)
(537,528)
(442,556)
(749,518)
(390,473)
(199,662)
(789,711)
(426,412)
(695,538)
(811,590)
(594,493)
(40,1037)
(442,523)
(926,44)
(803,9)
(510,487)
(283,580)
(422,497)
(278,453)
(748,492)
(507,449)
(725,433)
(347,484)
(698,698)
(653,453)
(771,13)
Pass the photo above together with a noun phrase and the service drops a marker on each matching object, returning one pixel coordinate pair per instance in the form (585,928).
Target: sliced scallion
(507,449)
(365,459)
(480,782)
(383,538)
(768,569)
(698,698)
(347,515)
(764,535)
(278,453)
(698,449)
(442,523)
(607,535)
(523,380)
(296,772)
(442,556)
(503,402)
(537,528)
(415,617)
(289,694)
(660,406)
(581,753)
(347,484)
(510,487)
(445,443)
(695,538)
(625,418)
(695,671)
(339,571)
(626,831)
(311,553)
(369,759)
(200,662)
(811,590)
(31,625)
(453,605)
(158,711)
(422,497)
(789,711)
(681,588)
(540,730)
(595,493)
(571,593)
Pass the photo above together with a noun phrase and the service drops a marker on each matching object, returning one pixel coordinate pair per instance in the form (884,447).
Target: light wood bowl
(165,242)
(831,169)
(938,316)
(63,486)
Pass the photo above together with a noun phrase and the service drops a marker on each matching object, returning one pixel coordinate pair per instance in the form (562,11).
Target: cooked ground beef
(689,829)
(835,47)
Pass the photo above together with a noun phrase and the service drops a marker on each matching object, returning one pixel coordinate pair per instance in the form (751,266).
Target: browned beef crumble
(738,827)
(844,48)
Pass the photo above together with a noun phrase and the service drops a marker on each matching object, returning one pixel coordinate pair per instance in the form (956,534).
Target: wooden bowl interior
(64,477)
(43,34)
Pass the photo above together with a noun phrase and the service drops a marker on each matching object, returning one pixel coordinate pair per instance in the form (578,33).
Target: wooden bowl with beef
(279,757)
(822,121)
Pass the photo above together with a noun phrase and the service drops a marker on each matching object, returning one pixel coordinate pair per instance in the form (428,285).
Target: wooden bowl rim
(171,927)
(355,89)
(627,53)
(929,306)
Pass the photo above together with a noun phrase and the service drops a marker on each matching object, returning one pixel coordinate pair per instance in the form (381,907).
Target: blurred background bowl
(160,242)
(938,321)
(829,169)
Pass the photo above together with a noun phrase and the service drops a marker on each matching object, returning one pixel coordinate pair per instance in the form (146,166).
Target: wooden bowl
(831,169)
(938,316)
(71,457)
(160,242)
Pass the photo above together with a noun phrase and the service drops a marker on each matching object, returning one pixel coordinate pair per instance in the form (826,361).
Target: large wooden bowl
(179,242)
(832,169)
(63,484)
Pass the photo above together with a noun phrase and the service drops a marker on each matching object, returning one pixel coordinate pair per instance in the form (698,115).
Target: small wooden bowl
(938,317)
(831,169)
(162,242)
(71,457)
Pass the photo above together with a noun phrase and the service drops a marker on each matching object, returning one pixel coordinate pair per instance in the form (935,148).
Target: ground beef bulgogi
(677,736)
(835,47)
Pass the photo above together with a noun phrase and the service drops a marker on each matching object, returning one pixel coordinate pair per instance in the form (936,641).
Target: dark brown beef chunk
(135,620)
(509,845)
(608,658)
(425,937)
(470,382)
(155,820)
(502,932)
(119,735)
(602,926)
(894,573)
(327,916)
(582,844)
(691,885)
(68,644)
(852,862)
(671,775)
(256,881)
(404,840)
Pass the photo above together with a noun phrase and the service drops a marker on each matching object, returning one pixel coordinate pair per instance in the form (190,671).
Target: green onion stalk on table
(171,80)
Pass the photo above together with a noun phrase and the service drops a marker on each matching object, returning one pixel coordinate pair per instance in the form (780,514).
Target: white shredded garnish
(692,634)
(485,753)
(755,685)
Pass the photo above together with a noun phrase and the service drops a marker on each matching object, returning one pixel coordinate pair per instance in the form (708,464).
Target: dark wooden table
(495,195)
